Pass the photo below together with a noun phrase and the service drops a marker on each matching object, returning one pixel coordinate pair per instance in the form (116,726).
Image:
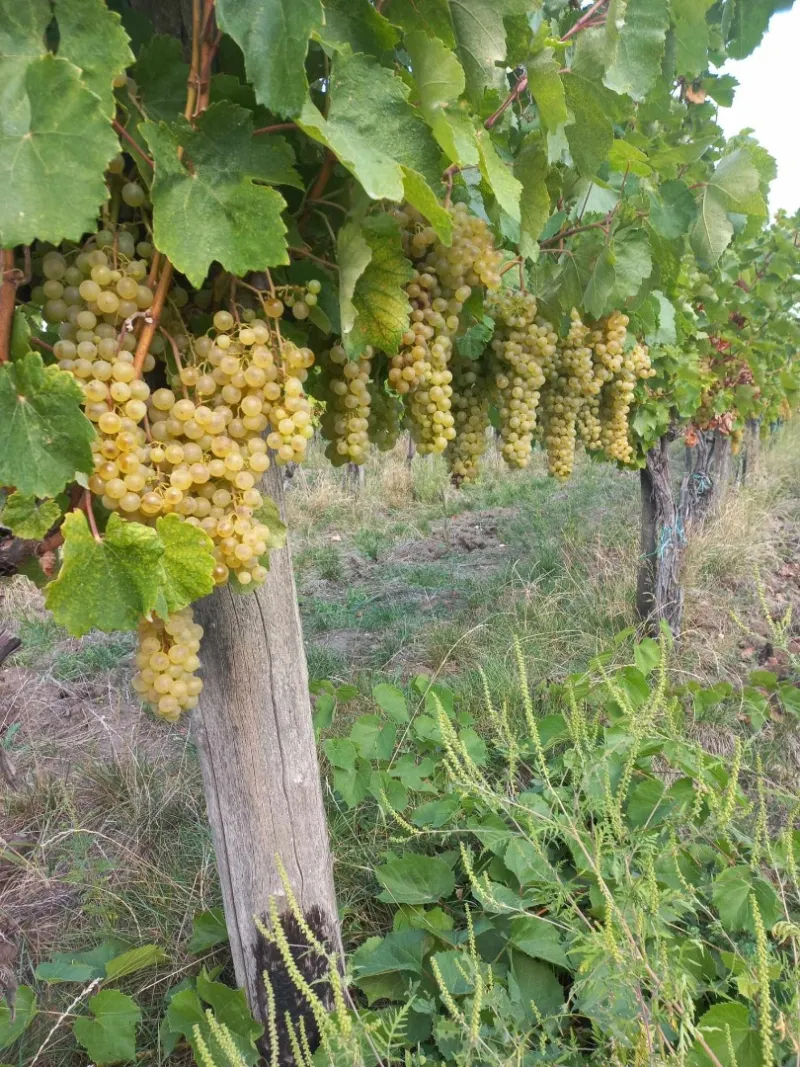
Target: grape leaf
(590,135)
(547,89)
(91,36)
(161,73)
(691,36)
(353,254)
(726,1031)
(636,31)
(46,437)
(748,23)
(419,193)
(26,1009)
(439,79)
(273,35)
(379,296)
(25,518)
(356,23)
(672,209)
(109,584)
(373,129)
(734,186)
(111,1035)
(627,158)
(22,27)
(480,39)
(186,566)
(633,263)
(55,142)
(272,161)
(242,226)
(600,285)
(531,170)
(499,177)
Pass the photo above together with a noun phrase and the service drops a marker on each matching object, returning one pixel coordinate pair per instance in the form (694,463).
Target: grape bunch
(167,659)
(346,422)
(470,403)
(385,414)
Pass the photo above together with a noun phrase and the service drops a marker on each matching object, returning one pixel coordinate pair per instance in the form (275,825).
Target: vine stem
(152,320)
(8,293)
(87,507)
(584,20)
(177,357)
(317,259)
(276,128)
(120,129)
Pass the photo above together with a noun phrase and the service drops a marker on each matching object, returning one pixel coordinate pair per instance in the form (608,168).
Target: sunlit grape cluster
(443,281)
(166,659)
(385,414)
(346,422)
(523,347)
(470,405)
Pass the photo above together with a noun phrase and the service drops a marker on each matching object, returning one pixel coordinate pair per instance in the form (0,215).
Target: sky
(768,101)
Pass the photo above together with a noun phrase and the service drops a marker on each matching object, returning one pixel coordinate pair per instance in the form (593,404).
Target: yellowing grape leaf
(208,206)
(108,584)
(186,566)
(25,518)
(379,298)
(55,142)
(46,437)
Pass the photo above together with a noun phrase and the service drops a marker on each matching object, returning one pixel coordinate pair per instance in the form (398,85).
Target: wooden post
(259,762)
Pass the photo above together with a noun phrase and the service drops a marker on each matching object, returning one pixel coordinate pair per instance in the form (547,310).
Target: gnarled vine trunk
(659,596)
(259,761)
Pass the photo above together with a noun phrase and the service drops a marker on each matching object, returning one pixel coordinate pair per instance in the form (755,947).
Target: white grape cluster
(524,348)
(470,404)
(346,422)
(443,281)
(166,661)
(385,415)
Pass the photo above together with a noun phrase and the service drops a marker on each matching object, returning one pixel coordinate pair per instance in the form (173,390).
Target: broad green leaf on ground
(547,90)
(439,79)
(273,35)
(160,74)
(530,169)
(55,142)
(499,176)
(727,1028)
(135,960)
(208,930)
(356,23)
(672,209)
(390,699)
(230,1008)
(590,135)
(46,437)
(636,31)
(400,950)
(538,938)
(379,297)
(372,128)
(79,966)
(533,983)
(26,518)
(91,36)
(111,1035)
(242,224)
(186,566)
(732,891)
(414,879)
(691,36)
(633,263)
(733,187)
(11,1029)
(109,584)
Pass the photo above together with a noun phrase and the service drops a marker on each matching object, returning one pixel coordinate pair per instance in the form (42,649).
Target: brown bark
(258,756)
(659,594)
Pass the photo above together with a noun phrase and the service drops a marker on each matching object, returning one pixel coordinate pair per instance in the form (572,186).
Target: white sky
(768,101)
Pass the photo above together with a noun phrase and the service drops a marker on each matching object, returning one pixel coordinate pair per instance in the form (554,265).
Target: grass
(401,577)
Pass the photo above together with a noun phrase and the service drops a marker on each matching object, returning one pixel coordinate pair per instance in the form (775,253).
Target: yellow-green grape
(470,406)
(167,661)
(524,348)
(567,382)
(347,420)
(385,416)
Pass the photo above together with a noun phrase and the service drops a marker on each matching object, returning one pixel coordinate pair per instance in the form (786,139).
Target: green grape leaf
(747,24)
(269,514)
(636,31)
(356,23)
(415,879)
(633,263)
(109,584)
(353,254)
(440,81)
(418,193)
(372,128)
(111,1035)
(379,297)
(732,892)
(134,960)
(627,158)
(46,437)
(600,285)
(726,1030)
(531,169)
(480,40)
(272,161)
(91,36)
(432,17)
(242,224)
(473,341)
(22,27)
(733,187)
(186,566)
(25,518)
(691,36)
(547,89)
(160,74)
(208,930)
(590,135)
(672,209)
(273,35)
(11,1029)
(499,176)
(55,142)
